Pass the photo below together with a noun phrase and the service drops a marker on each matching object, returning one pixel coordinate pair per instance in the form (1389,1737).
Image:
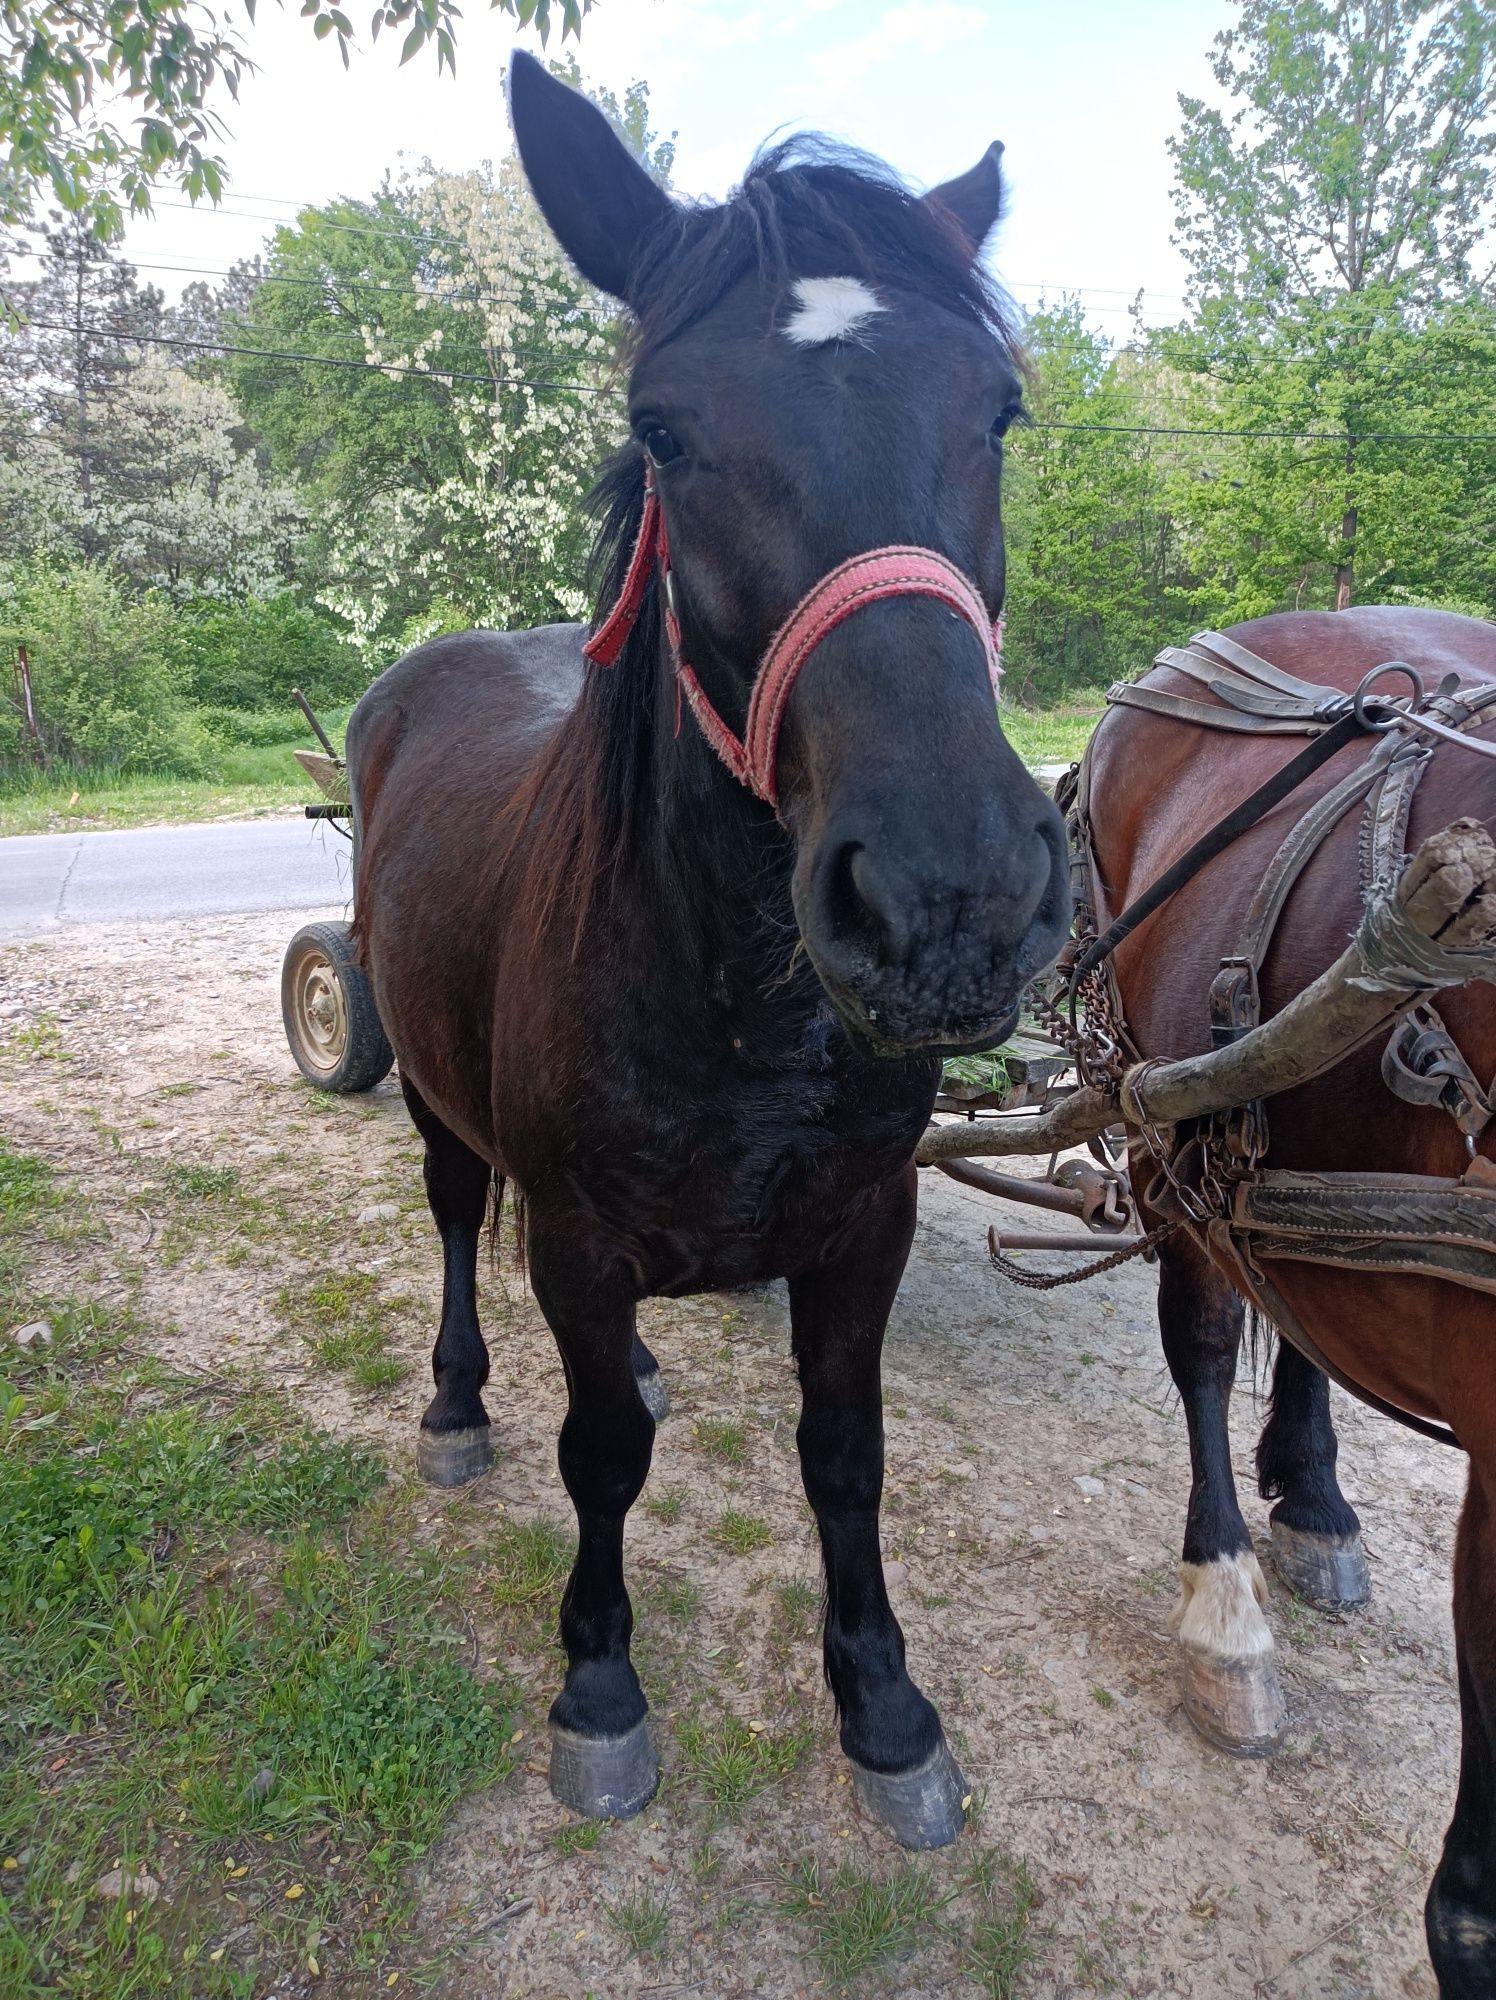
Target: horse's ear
(975,199)
(598,200)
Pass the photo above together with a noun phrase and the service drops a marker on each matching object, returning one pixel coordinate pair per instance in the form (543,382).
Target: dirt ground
(1035,1612)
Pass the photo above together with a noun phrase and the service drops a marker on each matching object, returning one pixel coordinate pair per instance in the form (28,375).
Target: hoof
(656,1397)
(1237,1705)
(1328,1571)
(452,1458)
(604,1777)
(920,1808)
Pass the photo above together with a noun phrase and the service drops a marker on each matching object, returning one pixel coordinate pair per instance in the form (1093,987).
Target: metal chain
(1036,1281)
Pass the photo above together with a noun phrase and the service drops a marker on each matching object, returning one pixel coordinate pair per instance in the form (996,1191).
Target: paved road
(48,879)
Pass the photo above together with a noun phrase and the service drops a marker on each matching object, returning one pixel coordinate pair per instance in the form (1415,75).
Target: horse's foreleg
(602,1761)
(1231,1688)
(1316,1535)
(454,1443)
(1461,1912)
(904,1773)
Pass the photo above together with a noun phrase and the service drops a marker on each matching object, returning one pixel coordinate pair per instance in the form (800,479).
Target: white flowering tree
(499,538)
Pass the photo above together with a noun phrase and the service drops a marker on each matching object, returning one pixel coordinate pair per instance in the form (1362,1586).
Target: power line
(325,360)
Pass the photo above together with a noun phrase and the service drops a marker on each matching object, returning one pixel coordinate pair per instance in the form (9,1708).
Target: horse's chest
(751,1182)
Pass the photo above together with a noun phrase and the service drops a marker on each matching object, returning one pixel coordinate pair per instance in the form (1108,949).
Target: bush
(255,729)
(249,655)
(105,688)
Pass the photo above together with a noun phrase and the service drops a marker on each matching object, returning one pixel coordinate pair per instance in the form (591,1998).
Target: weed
(25,1185)
(201,1183)
(666,1506)
(741,1534)
(1103,1697)
(999,1947)
(347,1325)
(858,1923)
(723,1438)
(642,1921)
(677,1597)
(733,1762)
(528,1563)
(799,1606)
(580,1837)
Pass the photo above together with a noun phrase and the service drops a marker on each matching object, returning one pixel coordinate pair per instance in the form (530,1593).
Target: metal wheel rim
(321,1011)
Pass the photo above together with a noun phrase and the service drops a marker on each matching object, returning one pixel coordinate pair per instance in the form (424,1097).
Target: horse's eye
(1005,420)
(660,445)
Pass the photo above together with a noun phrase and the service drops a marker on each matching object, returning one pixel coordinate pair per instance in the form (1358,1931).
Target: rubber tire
(366,1057)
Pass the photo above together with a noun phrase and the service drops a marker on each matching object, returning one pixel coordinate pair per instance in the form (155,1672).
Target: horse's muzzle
(922,953)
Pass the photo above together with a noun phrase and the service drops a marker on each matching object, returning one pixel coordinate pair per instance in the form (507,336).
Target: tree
(1340,203)
(181,509)
(1093,589)
(499,537)
(171,62)
(83,317)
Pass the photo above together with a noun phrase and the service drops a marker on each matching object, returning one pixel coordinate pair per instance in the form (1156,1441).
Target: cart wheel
(328,1008)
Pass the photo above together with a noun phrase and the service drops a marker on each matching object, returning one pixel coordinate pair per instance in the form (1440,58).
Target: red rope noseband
(862,580)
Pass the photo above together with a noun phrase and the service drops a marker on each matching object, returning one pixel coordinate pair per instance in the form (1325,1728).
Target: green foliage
(1095,586)
(248,655)
(173,64)
(106,689)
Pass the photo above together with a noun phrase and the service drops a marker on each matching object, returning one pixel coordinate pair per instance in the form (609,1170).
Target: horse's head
(821,369)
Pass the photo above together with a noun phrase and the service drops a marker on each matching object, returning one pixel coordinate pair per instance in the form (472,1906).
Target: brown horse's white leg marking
(1231,1689)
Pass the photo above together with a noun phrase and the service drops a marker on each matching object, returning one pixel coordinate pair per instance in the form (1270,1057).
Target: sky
(1082,92)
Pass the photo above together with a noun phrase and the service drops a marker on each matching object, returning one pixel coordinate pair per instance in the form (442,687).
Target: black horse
(697,1022)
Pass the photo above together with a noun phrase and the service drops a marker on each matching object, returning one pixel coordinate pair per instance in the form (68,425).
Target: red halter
(864,579)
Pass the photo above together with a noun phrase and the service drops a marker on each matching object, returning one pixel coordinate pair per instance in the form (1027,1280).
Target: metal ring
(1392,713)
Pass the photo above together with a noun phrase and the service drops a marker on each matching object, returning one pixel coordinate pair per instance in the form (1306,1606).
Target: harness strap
(1254,807)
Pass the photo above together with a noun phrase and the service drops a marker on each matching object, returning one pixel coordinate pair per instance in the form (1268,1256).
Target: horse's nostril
(863,910)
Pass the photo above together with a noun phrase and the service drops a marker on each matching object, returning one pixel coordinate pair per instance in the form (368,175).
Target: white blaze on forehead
(829,309)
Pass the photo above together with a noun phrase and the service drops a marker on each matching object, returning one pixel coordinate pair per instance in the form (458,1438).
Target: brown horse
(1421,1343)
(692,1003)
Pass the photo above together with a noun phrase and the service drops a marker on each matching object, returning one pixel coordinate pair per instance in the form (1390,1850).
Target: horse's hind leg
(1231,1688)
(905,1775)
(1316,1535)
(454,1444)
(602,1762)
(1460,1915)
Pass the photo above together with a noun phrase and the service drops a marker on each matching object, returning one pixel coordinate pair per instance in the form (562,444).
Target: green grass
(862,1924)
(581,1837)
(201,1183)
(722,1438)
(666,1506)
(347,1325)
(215,1668)
(731,1762)
(641,1921)
(246,781)
(741,1534)
(528,1562)
(1052,735)
(25,1184)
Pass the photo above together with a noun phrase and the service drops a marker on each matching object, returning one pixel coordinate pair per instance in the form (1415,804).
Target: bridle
(877,574)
